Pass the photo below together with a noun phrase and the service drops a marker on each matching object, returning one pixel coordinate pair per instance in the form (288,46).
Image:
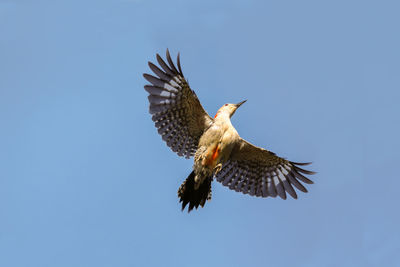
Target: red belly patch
(215,153)
(211,159)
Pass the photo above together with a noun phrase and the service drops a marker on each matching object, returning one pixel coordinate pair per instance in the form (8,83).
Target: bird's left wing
(175,108)
(259,172)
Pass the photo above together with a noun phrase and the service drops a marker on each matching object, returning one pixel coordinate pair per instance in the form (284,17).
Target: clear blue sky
(85,180)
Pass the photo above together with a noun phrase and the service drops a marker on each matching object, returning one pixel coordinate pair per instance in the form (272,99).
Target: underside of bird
(219,152)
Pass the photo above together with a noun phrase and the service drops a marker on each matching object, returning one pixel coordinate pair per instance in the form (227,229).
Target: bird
(218,150)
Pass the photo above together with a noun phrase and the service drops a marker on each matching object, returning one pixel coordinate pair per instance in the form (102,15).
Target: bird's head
(229,109)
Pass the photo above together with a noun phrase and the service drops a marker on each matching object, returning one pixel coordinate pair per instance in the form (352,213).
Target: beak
(240,103)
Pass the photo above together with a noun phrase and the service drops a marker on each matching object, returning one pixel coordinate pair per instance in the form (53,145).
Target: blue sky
(85,180)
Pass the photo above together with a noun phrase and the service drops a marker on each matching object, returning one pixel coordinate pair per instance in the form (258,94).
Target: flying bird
(219,152)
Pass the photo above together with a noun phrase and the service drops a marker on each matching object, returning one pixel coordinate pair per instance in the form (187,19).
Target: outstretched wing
(259,172)
(177,112)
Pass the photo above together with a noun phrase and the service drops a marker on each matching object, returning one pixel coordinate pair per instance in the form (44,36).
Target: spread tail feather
(195,197)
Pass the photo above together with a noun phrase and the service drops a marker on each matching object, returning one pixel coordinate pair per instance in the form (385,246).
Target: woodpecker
(219,152)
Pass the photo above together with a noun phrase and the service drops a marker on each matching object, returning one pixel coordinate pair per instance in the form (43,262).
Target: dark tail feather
(188,194)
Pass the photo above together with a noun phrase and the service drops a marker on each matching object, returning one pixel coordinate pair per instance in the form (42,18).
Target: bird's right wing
(177,112)
(259,172)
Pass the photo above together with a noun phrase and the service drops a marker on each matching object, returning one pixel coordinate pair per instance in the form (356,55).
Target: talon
(217,168)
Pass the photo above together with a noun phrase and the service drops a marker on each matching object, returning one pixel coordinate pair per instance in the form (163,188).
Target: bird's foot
(217,168)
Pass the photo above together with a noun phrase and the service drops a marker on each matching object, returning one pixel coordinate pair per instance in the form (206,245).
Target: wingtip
(178,60)
(301,163)
(171,62)
(301,177)
(304,171)
(151,65)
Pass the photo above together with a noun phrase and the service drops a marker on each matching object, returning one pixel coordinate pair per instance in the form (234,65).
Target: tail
(194,197)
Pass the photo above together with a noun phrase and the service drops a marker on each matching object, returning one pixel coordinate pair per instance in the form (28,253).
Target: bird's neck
(222,117)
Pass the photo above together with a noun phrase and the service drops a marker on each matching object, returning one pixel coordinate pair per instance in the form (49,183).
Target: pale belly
(215,147)
(214,150)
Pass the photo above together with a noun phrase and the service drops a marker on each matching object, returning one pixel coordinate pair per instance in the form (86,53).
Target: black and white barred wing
(175,108)
(259,172)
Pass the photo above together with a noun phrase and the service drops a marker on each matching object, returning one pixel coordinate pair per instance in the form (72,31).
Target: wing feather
(176,111)
(163,76)
(257,171)
(171,63)
(164,66)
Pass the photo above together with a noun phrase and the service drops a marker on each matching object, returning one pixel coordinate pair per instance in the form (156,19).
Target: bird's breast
(218,142)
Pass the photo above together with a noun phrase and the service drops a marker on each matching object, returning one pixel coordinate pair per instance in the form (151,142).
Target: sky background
(85,180)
